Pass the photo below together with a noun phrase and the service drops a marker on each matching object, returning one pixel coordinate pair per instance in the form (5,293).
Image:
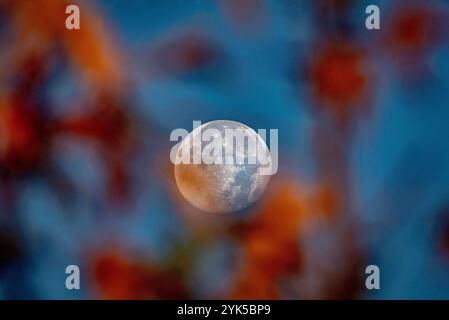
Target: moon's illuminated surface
(222,188)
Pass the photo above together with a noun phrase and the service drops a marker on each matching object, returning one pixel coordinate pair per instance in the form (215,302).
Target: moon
(220,187)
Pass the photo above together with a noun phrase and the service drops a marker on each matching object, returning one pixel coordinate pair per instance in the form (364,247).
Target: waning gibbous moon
(222,187)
